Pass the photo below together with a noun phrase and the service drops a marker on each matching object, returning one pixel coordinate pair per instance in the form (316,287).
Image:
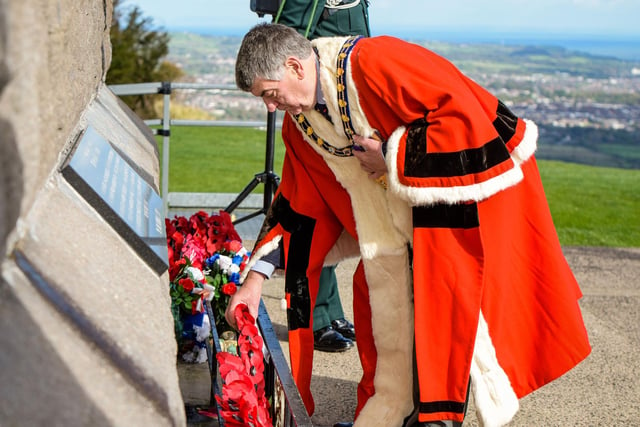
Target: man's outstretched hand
(248,294)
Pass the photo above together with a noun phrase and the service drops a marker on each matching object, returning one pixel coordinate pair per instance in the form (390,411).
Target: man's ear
(295,65)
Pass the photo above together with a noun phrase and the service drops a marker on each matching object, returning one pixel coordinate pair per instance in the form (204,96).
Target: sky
(404,18)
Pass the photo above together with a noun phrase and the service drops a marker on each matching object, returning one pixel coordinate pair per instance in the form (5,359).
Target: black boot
(330,340)
(345,327)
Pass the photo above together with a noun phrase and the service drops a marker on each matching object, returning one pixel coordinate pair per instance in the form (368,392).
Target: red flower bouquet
(206,258)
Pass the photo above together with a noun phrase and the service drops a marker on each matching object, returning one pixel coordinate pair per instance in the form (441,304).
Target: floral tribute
(243,401)
(206,258)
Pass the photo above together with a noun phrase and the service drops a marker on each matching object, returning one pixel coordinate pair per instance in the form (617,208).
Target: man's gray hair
(264,51)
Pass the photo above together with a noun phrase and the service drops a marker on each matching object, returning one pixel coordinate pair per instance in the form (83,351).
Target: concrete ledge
(211,201)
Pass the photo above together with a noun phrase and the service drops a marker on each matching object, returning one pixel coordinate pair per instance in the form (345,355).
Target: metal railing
(287,408)
(163,124)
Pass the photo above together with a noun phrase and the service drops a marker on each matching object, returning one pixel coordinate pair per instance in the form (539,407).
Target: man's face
(294,93)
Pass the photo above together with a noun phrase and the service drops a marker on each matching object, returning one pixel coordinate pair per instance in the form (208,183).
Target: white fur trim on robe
(424,196)
(265,249)
(495,400)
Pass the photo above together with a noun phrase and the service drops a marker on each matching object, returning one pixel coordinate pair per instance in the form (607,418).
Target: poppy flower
(229,288)
(186,283)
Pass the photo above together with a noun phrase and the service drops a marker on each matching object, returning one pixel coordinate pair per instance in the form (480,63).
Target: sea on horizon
(618,46)
(627,48)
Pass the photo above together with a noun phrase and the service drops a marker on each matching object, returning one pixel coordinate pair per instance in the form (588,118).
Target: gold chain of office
(343,105)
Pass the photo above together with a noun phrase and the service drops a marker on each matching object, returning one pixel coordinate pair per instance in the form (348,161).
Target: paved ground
(604,390)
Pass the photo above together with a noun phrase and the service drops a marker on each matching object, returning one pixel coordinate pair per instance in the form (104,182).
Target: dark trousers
(328,305)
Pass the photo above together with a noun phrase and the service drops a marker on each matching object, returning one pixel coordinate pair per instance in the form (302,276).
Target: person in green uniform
(325,18)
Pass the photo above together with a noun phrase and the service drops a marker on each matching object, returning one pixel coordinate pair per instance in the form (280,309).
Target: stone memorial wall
(86,330)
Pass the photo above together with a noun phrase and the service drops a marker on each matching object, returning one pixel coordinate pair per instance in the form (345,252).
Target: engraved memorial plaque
(120,195)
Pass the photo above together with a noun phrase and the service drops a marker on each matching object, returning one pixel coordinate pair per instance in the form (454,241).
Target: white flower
(234,268)
(202,356)
(202,332)
(197,355)
(189,357)
(225,262)
(195,273)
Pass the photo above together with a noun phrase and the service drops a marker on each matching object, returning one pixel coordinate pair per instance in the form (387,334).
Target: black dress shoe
(330,340)
(345,327)
(343,425)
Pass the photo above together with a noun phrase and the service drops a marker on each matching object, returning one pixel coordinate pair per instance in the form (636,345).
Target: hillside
(587,107)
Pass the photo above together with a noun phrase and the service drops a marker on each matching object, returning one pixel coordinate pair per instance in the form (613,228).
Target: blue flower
(210,262)
(235,278)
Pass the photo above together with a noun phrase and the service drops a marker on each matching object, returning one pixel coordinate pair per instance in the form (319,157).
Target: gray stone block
(86,330)
(87,316)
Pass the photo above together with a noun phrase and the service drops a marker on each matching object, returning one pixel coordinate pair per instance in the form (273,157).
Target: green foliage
(137,50)
(168,72)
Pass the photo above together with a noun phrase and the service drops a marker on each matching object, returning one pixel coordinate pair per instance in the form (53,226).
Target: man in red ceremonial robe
(432,183)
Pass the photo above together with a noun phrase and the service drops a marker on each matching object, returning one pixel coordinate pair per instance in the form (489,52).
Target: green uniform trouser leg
(328,306)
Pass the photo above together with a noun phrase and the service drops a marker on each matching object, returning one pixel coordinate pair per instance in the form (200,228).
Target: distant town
(566,93)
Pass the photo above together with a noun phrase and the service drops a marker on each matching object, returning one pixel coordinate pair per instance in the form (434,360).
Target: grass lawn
(591,206)
(218,159)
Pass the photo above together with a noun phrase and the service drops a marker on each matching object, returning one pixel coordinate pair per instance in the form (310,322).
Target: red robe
(495,300)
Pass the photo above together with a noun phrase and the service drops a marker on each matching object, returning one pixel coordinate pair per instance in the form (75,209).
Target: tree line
(138,52)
